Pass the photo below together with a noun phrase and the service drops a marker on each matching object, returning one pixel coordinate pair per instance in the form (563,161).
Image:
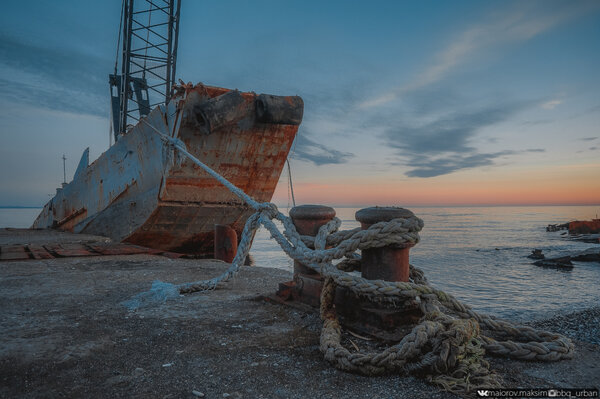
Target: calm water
(18,217)
(478,254)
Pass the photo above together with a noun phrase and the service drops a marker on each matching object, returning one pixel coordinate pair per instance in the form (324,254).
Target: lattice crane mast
(148,55)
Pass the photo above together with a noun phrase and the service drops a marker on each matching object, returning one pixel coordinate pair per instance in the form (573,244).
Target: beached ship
(138,193)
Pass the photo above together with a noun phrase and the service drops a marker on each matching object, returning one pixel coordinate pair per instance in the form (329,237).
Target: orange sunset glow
(552,185)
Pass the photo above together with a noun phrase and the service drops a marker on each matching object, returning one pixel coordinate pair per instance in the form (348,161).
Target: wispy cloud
(588,138)
(431,167)
(450,132)
(443,145)
(55,98)
(60,79)
(551,104)
(440,137)
(522,23)
(592,110)
(319,154)
(537,122)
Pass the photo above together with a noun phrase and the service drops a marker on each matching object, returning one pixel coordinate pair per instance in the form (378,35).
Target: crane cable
(290,181)
(119,37)
(147,41)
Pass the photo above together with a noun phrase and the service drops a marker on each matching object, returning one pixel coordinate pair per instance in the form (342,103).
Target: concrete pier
(67,333)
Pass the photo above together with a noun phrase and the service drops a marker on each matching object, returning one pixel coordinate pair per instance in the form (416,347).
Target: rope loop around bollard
(446,346)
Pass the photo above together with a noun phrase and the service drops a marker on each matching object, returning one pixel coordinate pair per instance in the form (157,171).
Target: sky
(406,103)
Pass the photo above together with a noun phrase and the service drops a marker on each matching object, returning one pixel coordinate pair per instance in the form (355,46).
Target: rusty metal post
(307,284)
(390,263)
(308,219)
(225,243)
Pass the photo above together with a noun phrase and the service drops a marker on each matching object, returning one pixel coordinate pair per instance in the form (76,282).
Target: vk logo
(481,393)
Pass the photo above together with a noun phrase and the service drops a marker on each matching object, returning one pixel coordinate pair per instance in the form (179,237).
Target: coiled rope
(446,346)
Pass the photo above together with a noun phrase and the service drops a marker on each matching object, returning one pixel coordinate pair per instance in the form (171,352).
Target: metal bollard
(225,243)
(389,263)
(308,219)
(307,284)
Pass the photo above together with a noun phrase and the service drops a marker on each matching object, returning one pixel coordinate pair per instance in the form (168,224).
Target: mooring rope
(446,346)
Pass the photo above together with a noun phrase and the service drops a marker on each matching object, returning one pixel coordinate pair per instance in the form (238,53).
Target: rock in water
(561,263)
(584,226)
(536,254)
(589,255)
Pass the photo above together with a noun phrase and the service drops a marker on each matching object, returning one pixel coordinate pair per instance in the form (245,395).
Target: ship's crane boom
(148,57)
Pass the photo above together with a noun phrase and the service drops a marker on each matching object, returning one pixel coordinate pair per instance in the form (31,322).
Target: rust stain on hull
(188,228)
(71,219)
(135,193)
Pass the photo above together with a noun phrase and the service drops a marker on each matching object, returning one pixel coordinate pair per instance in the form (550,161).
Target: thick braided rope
(541,345)
(447,349)
(443,349)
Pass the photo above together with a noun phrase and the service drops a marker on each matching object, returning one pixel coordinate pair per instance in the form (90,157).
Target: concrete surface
(66,333)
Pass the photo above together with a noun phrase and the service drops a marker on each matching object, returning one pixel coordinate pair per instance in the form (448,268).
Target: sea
(478,254)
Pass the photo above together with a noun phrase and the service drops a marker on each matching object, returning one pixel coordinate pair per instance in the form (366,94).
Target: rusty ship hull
(139,192)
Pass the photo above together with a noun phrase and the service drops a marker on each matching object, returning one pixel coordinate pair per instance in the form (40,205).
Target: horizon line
(439,205)
(280,205)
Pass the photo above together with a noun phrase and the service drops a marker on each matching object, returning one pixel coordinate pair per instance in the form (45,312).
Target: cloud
(588,138)
(449,132)
(319,154)
(55,98)
(537,122)
(594,148)
(428,167)
(520,24)
(551,104)
(442,145)
(591,110)
(59,79)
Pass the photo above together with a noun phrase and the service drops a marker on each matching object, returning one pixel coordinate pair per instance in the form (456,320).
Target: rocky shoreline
(585,231)
(589,255)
